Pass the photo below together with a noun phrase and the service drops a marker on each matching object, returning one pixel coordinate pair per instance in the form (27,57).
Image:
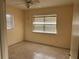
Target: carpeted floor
(27,50)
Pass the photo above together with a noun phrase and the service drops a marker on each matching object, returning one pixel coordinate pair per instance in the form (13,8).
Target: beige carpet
(26,50)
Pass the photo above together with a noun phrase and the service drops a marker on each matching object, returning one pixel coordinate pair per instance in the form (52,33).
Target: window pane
(37,27)
(10,21)
(38,19)
(45,23)
(50,28)
(50,20)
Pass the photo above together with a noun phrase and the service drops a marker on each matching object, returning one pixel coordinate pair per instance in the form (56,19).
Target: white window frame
(10,21)
(45,23)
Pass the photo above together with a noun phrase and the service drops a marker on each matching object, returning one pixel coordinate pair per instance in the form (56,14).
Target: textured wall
(64,25)
(17,34)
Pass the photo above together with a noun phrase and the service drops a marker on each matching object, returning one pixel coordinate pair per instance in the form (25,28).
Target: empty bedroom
(39,29)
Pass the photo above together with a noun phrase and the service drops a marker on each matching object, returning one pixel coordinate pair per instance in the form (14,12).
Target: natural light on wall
(45,24)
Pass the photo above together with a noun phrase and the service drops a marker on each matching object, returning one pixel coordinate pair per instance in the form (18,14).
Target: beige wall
(15,35)
(64,24)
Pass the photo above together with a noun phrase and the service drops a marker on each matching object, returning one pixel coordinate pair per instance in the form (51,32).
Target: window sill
(44,32)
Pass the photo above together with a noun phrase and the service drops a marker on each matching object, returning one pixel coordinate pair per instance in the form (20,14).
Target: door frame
(3,31)
(75,36)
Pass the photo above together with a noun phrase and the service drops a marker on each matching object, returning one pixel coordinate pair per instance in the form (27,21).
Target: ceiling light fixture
(28,3)
(31,2)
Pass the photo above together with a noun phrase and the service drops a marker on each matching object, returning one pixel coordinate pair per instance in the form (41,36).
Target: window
(45,23)
(10,21)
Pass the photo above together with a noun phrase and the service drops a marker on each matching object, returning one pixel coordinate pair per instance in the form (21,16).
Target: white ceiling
(43,3)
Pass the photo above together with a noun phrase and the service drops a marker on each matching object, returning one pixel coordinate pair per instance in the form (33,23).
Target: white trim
(44,23)
(45,15)
(44,32)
